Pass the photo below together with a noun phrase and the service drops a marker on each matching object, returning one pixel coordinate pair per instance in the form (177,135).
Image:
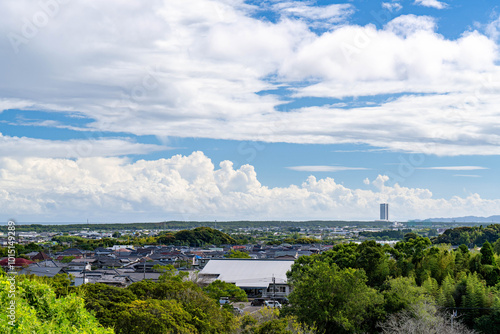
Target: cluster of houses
(264,274)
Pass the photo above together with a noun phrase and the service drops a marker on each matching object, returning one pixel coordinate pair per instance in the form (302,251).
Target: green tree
(170,273)
(155,317)
(334,300)
(487,254)
(496,246)
(270,321)
(410,235)
(39,311)
(67,259)
(61,284)
(206,314)
(106,301)
(474,295)
(462,258)
(218,289)
(236,254)
(402,292)
(374,261)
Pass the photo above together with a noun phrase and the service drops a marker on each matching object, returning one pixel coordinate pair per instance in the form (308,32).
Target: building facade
(384,211)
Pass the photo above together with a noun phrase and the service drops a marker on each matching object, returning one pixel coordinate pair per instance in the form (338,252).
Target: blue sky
(231,109)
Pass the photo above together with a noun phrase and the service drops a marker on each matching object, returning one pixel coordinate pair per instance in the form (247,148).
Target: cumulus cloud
(432,3)
(191,187)
(183,68)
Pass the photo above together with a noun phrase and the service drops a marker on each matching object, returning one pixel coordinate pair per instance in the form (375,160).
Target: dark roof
(72,251)
(40,271)
(40,256)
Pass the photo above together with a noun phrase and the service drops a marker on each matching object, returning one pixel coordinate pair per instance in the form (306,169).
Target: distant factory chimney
(384,211)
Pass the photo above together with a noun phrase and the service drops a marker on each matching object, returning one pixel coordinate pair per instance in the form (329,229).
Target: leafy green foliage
(106,302)
(67,259)
(39,311)
(206,315)
(154,316)
(333,300)
(201,236)
(62,284)
(270,321)
(386,234)
(401,292)
(487,254)
(236,254)
(218,289)
(470,235)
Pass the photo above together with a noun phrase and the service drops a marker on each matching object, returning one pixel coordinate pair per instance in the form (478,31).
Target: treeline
(196,237)
(177,225)
(199,236)
(373,288)
(470,236)
(385,234)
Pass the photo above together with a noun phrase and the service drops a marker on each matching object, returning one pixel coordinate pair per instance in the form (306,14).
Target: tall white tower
(384,211)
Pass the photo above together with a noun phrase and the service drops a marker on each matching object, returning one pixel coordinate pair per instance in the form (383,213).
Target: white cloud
(319,15)
(455,168)
(392,6)
(466,175)
(432,3)
(193,68)
(406,25)
(493,29)
(76,148)
(191,187)
(324,168)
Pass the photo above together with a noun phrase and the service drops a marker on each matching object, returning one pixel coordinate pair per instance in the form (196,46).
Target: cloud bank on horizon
(192,188)
(95,86)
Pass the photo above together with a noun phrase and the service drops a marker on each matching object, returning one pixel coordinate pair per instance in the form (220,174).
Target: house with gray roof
(258,277)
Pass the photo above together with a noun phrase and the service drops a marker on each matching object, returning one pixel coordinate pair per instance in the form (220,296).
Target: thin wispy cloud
(466,175)
(392,6)
(454,168)
(324,168)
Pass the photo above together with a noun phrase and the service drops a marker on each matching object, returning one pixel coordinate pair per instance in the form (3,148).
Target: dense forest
(469,236)
(357,288)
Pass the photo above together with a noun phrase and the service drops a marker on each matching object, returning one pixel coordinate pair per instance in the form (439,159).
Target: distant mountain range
(466,219)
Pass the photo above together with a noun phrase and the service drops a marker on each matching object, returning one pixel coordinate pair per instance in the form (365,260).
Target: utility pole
(84,270)
(274,288)
(453,316)
(144,268)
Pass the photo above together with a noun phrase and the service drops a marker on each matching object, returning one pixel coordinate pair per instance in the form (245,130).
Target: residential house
(264,278)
